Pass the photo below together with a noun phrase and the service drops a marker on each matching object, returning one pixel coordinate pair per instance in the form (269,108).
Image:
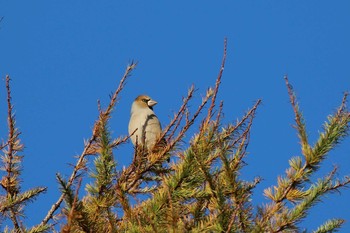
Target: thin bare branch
(343,104)
(178,117)
(114,98)
(122,140)
(217,84)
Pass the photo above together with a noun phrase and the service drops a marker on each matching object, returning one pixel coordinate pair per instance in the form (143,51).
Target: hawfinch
(145,121)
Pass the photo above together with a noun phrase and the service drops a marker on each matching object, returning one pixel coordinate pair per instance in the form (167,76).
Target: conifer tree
(180,187)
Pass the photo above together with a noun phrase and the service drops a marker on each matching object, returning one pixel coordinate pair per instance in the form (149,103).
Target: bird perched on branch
(145,122)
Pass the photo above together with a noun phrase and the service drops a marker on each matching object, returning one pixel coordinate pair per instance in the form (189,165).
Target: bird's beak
(151,103)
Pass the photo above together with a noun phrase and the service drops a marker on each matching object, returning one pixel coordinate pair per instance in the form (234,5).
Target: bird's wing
(136,122)
(152,129)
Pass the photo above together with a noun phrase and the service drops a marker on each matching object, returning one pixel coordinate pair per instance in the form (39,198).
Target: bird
(145,122)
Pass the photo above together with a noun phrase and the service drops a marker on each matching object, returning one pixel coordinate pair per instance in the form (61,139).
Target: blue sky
(63,57)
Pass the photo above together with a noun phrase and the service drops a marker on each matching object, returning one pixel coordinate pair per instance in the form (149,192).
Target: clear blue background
(63,56)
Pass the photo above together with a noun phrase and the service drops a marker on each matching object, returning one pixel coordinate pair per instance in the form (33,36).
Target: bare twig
(178,117)
(217,84)
(245,135)
(113,101)
(343,103)
(122,140)
(3,145)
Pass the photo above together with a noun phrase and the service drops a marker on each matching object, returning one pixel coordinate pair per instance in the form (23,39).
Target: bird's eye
(145,100)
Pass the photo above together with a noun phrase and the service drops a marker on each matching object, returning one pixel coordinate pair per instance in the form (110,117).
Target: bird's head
(144,101)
